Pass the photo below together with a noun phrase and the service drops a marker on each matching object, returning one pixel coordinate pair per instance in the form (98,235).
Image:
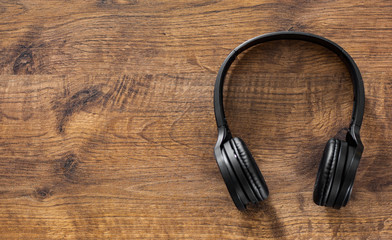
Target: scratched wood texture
(107,127)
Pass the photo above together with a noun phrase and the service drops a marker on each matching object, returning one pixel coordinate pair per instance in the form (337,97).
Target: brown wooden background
(107,126)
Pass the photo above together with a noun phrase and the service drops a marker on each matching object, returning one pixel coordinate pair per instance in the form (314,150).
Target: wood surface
(107,125)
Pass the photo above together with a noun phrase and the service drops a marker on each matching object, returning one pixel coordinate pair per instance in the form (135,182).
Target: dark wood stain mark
(79,101)
(117,98)
(21,57)
(42,193)
(310,228)
(301,201)
(114,4)
(24,63)
(104,2)
(68,166)
(7,116)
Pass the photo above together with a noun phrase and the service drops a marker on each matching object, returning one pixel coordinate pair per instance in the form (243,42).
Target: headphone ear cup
(250,168)
(326,171)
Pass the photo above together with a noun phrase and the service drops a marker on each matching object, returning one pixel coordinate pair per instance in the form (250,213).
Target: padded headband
(359,95)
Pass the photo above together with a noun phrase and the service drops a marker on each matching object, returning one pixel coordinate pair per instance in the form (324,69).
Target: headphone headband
(359,94)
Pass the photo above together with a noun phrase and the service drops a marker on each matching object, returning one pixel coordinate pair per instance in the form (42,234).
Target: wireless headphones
(336,174)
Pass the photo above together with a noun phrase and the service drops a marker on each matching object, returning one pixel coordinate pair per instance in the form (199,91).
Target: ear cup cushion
(239,173)
(326,172)
(251,169)
(338,177)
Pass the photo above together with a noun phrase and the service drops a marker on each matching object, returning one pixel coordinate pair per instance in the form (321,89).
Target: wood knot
(24,62)
(69,165)
(42,193)
(81,100)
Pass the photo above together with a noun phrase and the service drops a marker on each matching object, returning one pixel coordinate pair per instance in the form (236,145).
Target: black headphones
(336,174)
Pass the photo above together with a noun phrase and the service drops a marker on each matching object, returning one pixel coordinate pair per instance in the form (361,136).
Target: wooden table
(107,123)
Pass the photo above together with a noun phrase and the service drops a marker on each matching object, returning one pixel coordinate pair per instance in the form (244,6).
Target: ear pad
(326,172)
(239,174)
(251,170)
(338,177)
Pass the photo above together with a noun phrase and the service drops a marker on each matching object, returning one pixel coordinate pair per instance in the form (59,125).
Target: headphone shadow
(266,213)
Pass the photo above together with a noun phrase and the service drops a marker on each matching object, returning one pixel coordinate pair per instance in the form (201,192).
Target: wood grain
(107,125)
